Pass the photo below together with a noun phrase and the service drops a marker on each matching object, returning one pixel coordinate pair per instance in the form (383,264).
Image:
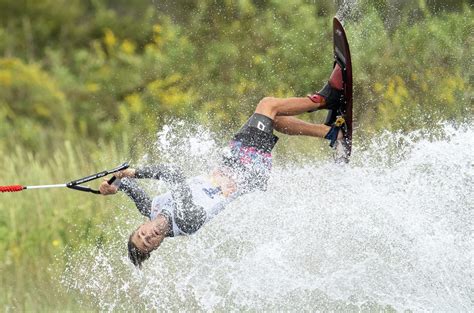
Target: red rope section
(12,188)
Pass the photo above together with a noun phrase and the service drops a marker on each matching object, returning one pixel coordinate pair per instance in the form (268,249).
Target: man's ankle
(318,99)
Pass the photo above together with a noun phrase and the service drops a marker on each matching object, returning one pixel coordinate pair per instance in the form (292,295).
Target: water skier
(191,203)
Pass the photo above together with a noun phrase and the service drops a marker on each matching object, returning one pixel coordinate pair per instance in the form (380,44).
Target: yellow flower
(157,28)
(173,78)
(55,243)
(135,102)
(128,47)
(109,38)
(159,36)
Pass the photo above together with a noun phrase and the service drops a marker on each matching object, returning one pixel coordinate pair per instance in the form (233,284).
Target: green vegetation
(79,80)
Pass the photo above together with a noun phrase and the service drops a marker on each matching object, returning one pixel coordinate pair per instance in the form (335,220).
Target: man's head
(135,254)
(146,238)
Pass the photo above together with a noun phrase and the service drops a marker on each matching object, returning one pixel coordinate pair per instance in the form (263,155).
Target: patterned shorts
(251,158)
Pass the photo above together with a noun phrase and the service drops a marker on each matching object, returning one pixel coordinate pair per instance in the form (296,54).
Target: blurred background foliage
(80,78)
(82,70)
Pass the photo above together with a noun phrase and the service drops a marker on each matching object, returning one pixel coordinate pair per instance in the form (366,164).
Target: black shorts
(250,157)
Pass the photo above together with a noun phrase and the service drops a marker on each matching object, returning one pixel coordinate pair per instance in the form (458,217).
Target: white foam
(395,227)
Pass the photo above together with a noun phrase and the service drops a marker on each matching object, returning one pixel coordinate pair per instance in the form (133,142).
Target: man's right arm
(166,173)
(169,174)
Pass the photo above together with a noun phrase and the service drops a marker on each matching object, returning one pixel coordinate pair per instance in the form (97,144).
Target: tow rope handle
(75,184)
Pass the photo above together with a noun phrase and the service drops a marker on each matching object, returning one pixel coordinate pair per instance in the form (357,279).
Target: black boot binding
(339,124)
(341,146)
(334,98)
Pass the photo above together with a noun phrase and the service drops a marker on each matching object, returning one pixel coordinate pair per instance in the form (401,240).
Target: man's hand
(106,189)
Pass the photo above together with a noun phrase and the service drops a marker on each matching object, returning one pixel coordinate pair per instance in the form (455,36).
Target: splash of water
(393,228)
(347,9)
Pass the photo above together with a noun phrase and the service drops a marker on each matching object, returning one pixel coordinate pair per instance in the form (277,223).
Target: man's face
(150,234)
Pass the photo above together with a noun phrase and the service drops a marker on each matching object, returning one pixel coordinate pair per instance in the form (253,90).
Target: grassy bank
(37,226)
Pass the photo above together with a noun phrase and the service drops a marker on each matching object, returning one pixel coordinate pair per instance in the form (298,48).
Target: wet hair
(136,256)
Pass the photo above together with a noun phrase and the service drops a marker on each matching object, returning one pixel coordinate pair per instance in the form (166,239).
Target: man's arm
(132,190)
(180,191)
(172,175)
(166,173)
(138,196)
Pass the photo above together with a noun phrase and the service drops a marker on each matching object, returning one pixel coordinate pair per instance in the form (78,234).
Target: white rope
(46,186)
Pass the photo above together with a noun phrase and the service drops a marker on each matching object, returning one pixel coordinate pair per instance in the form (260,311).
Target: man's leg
(330,97)
(272,107)
(280,111)
(292,126)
